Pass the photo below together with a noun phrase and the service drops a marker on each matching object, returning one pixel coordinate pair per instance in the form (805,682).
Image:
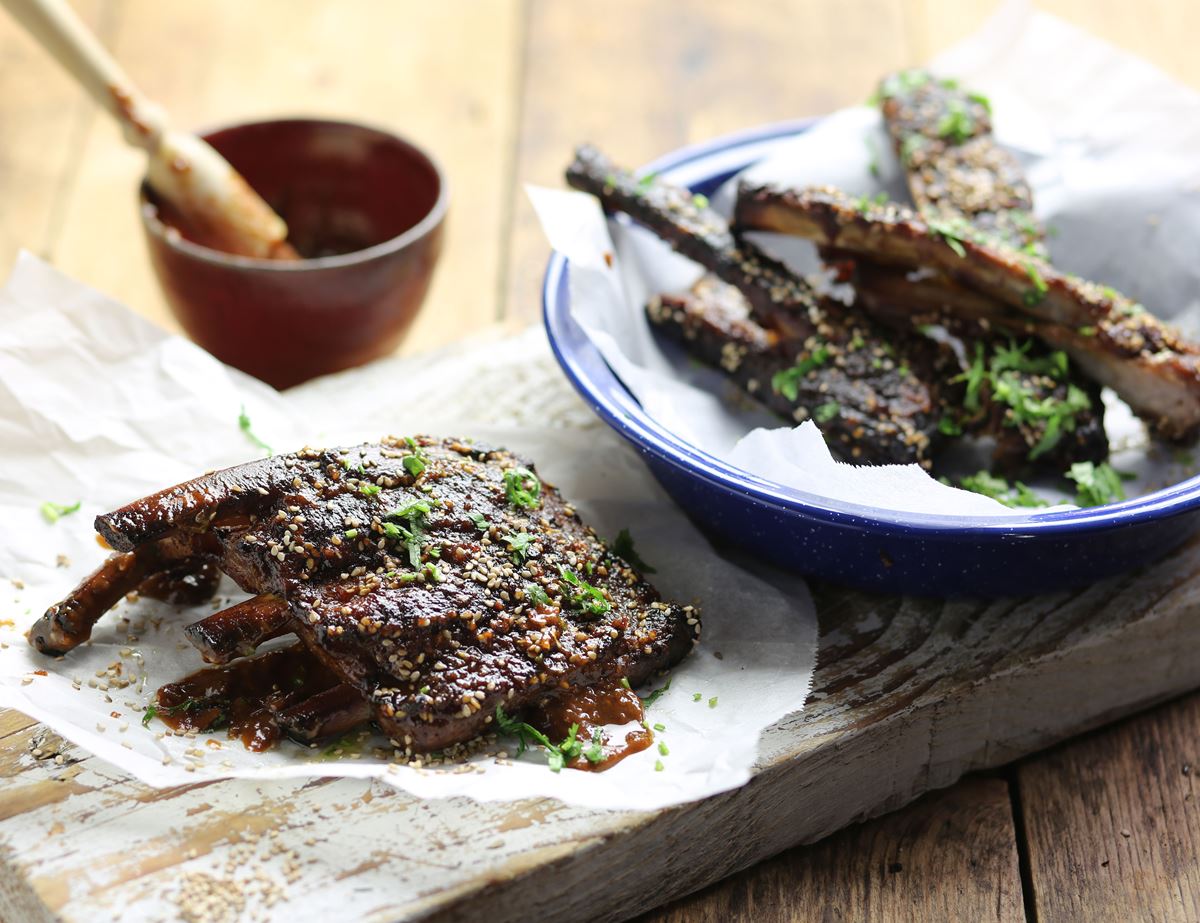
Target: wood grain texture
(43,119)
(1112,822)
(640,79)
(424,70)
(952,855)
(910,694)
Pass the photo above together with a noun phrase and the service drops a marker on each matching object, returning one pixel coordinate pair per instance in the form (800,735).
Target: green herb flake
(351,534)
(149,715)
(413,465)
(557,756)
(622,547)
(245,426)
(595,753)
(522,488)
(658,766)
(625,682)
(712,703)
(1097,485)
(432,573)
(660,727)
(697,696)
(956,124)
(981,100)
(52,512)
(535,594)
(480,521)
(700,201)
(655,695)
(646,181)
(787,382)
(369,490)
(1087,331)
(581,594)
(989,485)
(827,411)
(518,544)
(663,749)
(948,426)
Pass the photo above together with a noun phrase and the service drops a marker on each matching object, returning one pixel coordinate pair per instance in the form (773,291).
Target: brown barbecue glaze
(436,577)
(610,709)
(245,696)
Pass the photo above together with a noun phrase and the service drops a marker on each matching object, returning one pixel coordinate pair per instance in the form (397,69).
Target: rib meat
(877,378)
(1114,340)
(956,170)
(435,578)
(711,321)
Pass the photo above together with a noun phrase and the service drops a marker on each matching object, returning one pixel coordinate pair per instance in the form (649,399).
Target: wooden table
(1101,828)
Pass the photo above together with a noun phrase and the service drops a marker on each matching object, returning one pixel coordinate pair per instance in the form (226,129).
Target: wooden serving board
(909,695)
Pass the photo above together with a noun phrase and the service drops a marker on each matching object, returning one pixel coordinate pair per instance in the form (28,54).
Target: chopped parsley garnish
(595,753)
(431,572)
(910,148)
(697,696)
(956,124)
(981,100)
(787,382)
(413,465)
(413,536)
(656,694)
(1096,485)
(480,521)
(149,715)
(622,547)
(244,426)
(827,411)
(369,490)
(952,232)
(1016,495)
(1054,416)
(582,595)
(1038,292)
(519,545)
(522,487)
(712,703)
(556,755)
(535,594)
(948,426)
(52,512)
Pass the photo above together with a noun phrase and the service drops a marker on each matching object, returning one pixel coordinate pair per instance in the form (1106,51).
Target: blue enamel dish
(927,555)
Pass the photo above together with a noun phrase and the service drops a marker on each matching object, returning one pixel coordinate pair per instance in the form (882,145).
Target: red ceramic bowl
(365,208)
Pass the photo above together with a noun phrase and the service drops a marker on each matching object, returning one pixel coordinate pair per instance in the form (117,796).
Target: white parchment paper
(98,406)
(1109,144)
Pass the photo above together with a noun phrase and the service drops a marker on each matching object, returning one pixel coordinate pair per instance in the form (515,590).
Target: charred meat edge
(1114,340)
(882,387)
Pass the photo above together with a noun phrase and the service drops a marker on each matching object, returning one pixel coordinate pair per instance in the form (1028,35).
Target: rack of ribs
(804,354)
(1113,340)
(428,583)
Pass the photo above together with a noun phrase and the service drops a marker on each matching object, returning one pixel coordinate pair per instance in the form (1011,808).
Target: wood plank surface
(1112,821)
(640,79)
(424,70)
(909,695)
(501,94)
(952,855)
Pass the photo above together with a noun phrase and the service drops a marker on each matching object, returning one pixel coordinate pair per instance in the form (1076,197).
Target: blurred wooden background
(500,91)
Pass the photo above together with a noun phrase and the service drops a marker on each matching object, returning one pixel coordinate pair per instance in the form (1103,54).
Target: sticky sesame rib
(1114,340)
(956,170)
(860,405)
(438,579)
(880,374)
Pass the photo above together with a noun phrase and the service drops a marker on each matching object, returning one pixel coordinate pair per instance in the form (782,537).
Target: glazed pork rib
(876,378)
(436,579)
(711,321)
(1114,340)
(942,135)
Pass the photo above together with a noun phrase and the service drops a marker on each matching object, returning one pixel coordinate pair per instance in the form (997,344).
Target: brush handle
(56,27)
